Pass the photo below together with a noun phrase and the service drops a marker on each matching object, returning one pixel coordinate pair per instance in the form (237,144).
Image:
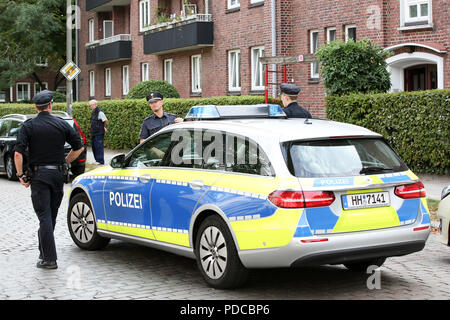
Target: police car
(247,188)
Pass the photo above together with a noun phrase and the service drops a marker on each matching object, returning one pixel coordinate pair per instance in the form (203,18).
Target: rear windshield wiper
(373,169)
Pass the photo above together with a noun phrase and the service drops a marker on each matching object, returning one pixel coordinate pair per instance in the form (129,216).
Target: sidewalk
(433,183)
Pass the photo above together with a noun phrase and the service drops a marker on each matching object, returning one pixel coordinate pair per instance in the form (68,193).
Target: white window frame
(28,91)
(42,62)
(144,15)
(37,84)
(91,30)
(92,83)
(346,31)
(104,28)
(232,4)
(404,11)
(108,82)
(234,70)
(145,72)
(125,79)
(168,63)
(312,50)
(196,73)
(256,1)
(329,29)
(257,68)
(3,99)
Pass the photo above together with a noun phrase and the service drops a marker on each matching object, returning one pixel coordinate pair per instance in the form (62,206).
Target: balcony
(191,32)
(112,49)
(104,5)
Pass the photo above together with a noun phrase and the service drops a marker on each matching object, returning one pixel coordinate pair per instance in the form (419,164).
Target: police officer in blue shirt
(159,119)
(288,96)
(44,137)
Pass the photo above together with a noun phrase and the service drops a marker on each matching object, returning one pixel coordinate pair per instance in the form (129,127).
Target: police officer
(98,130)
(44,137)
(288,95)
(159,119)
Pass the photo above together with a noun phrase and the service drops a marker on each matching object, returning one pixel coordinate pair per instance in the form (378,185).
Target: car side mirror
(118,161)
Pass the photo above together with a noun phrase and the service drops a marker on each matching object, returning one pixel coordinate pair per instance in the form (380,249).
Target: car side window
(14,129)
(152,152)
(187,151)
(4,128)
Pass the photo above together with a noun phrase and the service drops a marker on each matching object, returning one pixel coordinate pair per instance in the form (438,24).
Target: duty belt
(36,168)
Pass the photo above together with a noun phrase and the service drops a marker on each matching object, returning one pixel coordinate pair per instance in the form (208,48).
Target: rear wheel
(217,257)
(82,224)
(363,265)
(11,172)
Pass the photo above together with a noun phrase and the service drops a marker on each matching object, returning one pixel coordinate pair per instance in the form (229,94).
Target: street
(128,271)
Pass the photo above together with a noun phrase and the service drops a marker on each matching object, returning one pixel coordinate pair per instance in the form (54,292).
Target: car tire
(77,170)
(217,257)
(363,265)
(82,224)
(10,169)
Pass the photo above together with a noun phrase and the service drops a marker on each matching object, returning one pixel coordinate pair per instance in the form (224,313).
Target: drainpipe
(273,13)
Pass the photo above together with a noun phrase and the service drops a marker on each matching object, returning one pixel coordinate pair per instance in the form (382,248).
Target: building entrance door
(420,77)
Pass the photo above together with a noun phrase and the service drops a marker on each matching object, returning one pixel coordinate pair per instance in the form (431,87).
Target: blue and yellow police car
(248,188)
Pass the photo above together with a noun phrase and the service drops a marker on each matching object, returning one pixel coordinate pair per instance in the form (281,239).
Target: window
(108,82)
(234,4)
(4,127)
(22,91)
(234,70)
(257,68)
(125,79)
(41,62)
(108,29)
(91,30)
(15,128)
(416,12)
(331,34)
(196,68)
(92,83)
(152,152)
(38,89)
(144,72)
(2,96)
(168,70)
(256,1)
(314,46)
(350,33)
(144,14)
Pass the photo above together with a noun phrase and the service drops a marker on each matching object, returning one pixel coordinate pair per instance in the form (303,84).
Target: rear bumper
(339,248)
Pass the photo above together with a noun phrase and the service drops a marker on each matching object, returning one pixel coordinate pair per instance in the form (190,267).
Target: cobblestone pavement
(128,271)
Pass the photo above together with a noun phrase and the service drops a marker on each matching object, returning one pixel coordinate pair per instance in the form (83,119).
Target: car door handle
(145,178)
(196,184)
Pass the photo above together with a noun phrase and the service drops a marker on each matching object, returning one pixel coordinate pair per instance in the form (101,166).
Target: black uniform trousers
(46,194)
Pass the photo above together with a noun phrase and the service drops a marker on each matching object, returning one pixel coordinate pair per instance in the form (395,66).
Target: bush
(415,124)
(59,96)
(141,90)
(351,66)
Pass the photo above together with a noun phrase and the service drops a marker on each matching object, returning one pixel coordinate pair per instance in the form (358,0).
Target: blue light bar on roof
(203,112)
(276,111)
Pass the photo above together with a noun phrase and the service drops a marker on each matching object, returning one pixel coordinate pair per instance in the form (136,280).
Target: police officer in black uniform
(288,95)
(44,137)
(159,119)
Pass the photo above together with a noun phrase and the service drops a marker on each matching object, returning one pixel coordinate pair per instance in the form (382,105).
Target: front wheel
(11,172)
(82,225)
(217,257)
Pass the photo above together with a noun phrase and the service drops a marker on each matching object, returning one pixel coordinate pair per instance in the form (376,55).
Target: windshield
(342,157)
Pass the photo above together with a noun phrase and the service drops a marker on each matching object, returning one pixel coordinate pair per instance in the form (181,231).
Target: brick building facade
(210,48)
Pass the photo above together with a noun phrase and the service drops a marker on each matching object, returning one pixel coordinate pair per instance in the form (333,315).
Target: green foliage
(140,90)
(126,116)
(59,96)
(415,124)
(351,66)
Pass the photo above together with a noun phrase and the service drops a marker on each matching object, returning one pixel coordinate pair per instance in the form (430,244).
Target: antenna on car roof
(307,118)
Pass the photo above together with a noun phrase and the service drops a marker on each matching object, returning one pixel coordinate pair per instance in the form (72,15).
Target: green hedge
(126,116)
(416,124)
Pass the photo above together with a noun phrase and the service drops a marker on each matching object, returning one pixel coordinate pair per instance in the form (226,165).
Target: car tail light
(410,191)
(301,199)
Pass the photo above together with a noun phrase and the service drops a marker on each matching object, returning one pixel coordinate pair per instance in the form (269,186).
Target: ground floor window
(196,76)
(91,83)
(22,91)
(234,70)
(257,68)
(108,82)
(168,70)
(38,88)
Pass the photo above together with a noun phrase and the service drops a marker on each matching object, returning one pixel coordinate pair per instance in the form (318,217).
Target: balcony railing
(182,20)
(104,5)
(110,49)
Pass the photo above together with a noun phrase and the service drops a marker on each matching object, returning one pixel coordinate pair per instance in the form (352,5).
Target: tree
(141,89)
(353,66)
(31,31)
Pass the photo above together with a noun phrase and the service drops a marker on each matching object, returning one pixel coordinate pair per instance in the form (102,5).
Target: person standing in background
(98,130)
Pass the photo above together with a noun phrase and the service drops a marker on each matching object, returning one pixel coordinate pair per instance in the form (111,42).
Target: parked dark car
(9,129)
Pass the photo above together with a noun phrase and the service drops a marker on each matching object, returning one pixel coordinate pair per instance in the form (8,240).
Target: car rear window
(341,157)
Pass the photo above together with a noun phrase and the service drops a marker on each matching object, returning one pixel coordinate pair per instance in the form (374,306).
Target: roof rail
(15,115)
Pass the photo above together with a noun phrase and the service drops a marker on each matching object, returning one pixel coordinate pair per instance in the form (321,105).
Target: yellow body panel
(366,219)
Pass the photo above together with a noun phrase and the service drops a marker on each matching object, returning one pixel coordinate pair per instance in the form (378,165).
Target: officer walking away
(44,136)
(98,130)
(159,119)
(289,95)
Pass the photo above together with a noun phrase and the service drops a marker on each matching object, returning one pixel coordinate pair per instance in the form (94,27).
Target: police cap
(290,89)
(154,96)
(43,98)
